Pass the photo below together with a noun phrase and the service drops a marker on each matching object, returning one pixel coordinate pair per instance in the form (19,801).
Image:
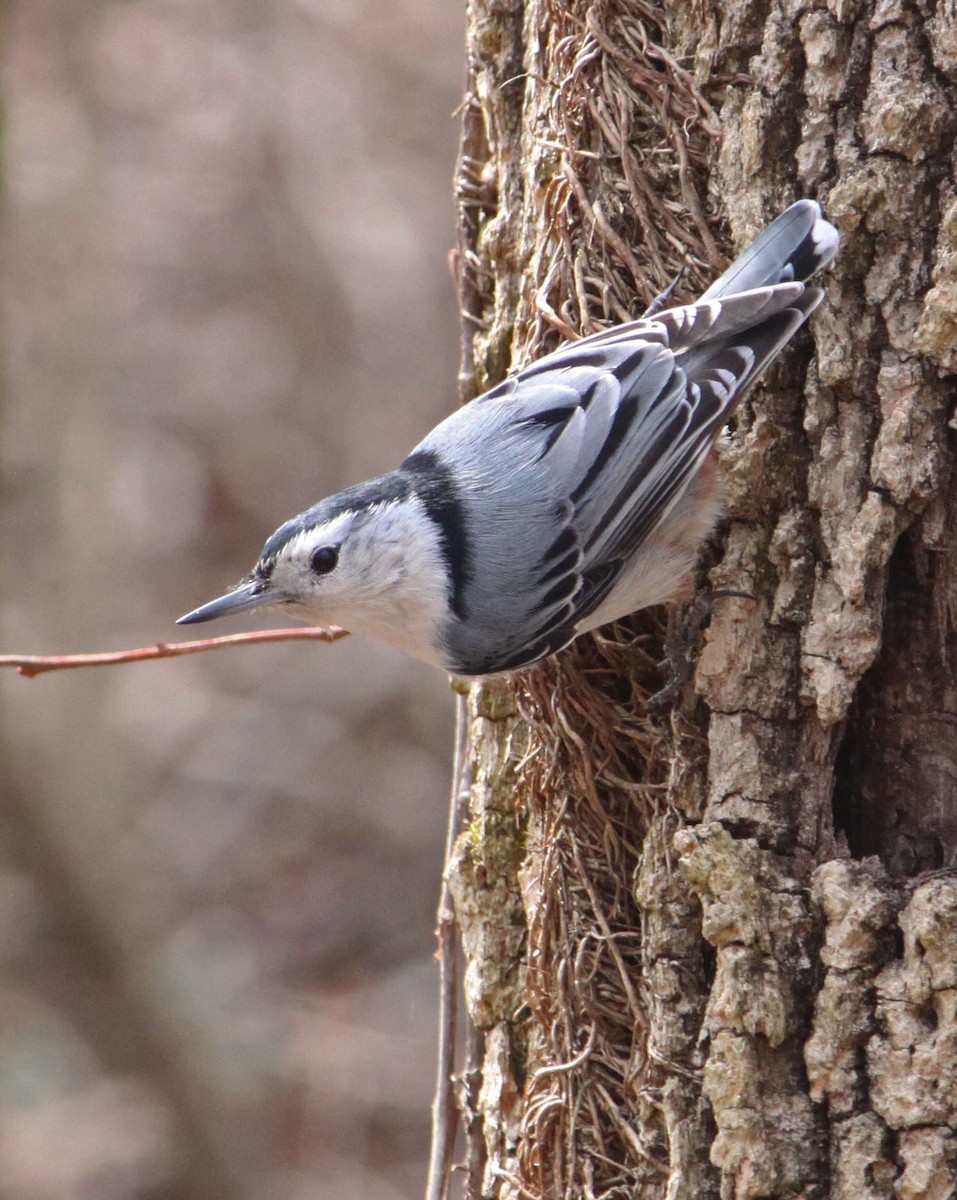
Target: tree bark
(715,953)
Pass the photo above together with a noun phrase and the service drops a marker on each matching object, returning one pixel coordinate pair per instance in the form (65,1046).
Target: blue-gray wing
(570,465)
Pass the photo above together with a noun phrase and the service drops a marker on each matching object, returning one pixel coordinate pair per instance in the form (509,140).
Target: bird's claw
(681,643)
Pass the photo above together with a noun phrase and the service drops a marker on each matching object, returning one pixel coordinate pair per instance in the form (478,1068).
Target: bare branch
(38,664)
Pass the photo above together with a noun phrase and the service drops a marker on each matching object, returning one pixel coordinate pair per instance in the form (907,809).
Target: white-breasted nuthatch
(573,493)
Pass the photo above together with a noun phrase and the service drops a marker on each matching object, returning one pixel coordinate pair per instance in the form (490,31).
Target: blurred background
(224,240)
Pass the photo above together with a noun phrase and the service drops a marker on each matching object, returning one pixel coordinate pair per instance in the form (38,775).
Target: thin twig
(37,664)
(444,1112)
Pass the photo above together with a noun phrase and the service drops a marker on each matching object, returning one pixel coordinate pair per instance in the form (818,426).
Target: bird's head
(368,560)
(308,567)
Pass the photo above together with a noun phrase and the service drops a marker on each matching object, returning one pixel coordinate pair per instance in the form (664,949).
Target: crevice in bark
(896,779)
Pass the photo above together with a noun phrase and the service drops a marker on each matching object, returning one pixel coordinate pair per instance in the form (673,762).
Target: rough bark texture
(714,955)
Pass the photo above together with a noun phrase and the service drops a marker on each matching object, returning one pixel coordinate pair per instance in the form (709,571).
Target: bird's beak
(248,595)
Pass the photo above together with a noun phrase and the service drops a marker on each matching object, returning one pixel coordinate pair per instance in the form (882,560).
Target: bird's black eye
(324,560)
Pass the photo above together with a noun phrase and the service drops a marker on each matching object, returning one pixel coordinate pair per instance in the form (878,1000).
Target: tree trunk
(715,953)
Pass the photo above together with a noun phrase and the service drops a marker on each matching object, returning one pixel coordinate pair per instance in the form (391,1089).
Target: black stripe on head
(428,478)
(385,490)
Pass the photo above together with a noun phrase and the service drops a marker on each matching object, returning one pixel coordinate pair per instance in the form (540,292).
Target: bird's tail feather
(792,247)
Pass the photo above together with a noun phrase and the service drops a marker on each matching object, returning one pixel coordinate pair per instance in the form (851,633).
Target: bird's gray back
(564,470)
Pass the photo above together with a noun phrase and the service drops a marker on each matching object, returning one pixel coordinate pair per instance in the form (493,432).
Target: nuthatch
(573,493)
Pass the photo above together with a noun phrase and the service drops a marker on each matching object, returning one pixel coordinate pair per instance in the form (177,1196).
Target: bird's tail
(792,247)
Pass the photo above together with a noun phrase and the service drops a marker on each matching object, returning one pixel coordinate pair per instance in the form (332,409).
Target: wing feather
(611,431)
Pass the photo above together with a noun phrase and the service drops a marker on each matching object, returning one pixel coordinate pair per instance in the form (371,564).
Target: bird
(577,491)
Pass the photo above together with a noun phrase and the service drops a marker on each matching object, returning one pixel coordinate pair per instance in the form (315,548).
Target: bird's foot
(682,639)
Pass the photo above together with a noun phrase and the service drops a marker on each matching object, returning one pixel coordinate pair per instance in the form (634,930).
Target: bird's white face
(321,573)
(378,571)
